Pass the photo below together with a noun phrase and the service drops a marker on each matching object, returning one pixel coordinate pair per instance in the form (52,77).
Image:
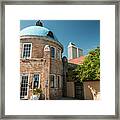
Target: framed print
(59,59)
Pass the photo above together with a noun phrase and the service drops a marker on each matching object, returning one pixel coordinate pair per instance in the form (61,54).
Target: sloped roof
(78,60)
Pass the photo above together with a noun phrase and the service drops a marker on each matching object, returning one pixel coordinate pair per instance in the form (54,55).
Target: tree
(90,69)
(71,73)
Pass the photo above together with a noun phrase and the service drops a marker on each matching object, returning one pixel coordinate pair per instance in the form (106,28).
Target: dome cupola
(38,30)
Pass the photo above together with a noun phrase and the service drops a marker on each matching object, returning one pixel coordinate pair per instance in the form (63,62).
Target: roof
(34,30)
(78,60)
(38,31)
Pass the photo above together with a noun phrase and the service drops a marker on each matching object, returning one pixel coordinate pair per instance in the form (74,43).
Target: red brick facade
(41,63)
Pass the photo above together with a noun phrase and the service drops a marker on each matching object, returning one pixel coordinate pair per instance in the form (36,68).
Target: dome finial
(39,23)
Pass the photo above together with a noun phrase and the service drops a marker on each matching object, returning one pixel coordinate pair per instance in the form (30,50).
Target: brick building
(41,64)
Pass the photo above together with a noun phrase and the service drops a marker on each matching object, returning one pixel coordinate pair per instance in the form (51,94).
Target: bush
(90,69)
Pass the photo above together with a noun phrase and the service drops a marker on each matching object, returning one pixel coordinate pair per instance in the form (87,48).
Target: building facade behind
(73,51)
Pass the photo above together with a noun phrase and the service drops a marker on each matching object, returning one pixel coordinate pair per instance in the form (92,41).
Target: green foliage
(37,91)
(90,69)
(71,74)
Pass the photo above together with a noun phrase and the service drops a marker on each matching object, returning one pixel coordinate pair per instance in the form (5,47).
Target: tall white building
(73,51)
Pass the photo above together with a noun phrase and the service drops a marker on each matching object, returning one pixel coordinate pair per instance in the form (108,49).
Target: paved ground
(66,98)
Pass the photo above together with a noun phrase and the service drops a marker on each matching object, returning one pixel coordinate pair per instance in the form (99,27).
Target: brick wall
(40,62)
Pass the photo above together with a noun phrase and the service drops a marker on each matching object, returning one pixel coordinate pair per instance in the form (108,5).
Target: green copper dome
(38,31)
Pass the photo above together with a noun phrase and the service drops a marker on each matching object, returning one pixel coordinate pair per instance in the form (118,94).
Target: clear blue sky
(84,33)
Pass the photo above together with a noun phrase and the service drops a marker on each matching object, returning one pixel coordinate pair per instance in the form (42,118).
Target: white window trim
(54,81)
(39,81)
(55,52)
(30,51)
(26,74)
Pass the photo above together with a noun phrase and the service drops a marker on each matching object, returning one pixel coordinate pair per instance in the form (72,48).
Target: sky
(85,34)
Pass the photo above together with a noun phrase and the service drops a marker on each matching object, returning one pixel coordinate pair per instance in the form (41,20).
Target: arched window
(53,52)
(59,54)
(59,81)
(53,82)
(36,81)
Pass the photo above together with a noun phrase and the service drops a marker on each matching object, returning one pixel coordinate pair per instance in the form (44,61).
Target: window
(59,54)
(24,86)
(55,83)
(36,81)
(59,81)
(52,52)
(27,50)
(52,81)
(74,52)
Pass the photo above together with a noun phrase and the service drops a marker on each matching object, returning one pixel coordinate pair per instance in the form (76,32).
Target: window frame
(23,51)
(59,51)
(54,81)
(24,74)
(51,52)
(34,80)
(60,82)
